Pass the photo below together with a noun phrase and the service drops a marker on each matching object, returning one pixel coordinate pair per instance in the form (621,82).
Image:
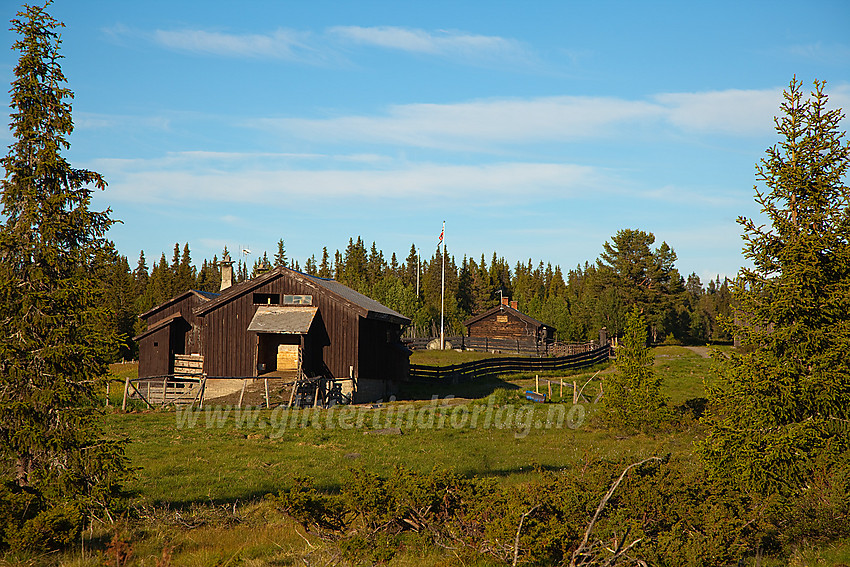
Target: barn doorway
(289,340)
(281,355)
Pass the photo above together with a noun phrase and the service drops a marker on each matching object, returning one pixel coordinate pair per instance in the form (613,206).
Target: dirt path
(703,351)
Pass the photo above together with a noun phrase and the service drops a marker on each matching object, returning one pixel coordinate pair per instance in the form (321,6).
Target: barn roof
(507,309)
(374,309)
(283,320)
(365,306)
(159,325)
(202,295)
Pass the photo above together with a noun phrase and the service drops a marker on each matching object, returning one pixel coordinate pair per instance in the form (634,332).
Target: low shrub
(29,524)
(679,516)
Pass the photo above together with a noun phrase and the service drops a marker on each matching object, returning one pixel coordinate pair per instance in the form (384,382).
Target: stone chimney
(505,300)
(226,265)
(514,305)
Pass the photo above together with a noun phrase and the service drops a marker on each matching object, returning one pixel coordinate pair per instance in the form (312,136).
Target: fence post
(126,391)
(242,393)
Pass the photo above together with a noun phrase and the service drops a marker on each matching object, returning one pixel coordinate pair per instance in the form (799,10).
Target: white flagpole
(443,293)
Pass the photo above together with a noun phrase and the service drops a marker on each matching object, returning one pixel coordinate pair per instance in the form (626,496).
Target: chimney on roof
(505,300)
(226,265)
(513,305)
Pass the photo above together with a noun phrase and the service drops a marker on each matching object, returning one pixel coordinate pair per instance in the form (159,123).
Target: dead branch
(583,551)
(518,530)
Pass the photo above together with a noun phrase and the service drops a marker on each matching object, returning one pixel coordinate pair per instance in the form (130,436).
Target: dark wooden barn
(280,321)
(506,322)
(172,329)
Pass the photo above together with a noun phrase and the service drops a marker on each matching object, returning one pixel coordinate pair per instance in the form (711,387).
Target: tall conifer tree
(785,402)
(53,345)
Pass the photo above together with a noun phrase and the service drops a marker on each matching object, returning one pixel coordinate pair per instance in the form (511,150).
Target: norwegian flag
(443,232)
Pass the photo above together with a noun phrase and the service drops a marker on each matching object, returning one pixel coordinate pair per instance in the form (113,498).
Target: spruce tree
(140,276)
(325,267)
(185,278)
(784,401)
(633,399)
(53,345)
(280,255)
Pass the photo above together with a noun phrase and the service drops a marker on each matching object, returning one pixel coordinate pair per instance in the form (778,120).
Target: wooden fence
(512,346)
(490,367)
(165,390)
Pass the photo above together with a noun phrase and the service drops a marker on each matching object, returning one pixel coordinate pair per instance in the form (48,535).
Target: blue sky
(534,129)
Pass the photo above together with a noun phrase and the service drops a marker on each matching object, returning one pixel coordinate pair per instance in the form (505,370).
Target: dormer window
(266,299)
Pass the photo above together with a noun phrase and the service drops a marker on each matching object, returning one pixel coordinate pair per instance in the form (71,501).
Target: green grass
(224,464)
(198,490)
(447,357)
(225,461)
(835,554)
(684,372)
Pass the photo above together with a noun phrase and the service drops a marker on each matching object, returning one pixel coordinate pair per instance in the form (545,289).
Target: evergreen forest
(631,271)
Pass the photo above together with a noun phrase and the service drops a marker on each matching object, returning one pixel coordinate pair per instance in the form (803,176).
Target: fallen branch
(583,551)
(518,530)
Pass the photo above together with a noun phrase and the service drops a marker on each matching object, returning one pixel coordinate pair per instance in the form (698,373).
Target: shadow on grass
(246,497)
(531,468)
(258,494)
(410,391)
(483,387)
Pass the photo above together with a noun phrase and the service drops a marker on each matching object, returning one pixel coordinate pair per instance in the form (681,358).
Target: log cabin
(506,322)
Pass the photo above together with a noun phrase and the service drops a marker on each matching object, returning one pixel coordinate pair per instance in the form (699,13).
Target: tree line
(629,272)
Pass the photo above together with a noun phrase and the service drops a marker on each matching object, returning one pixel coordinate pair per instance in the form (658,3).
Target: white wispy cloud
(732,111)
(821,52)
(328,45)
(95,121)
(484,123)
(287,44)
(472,123)
(839,97)
(182,178)
(690,195)
(444,43)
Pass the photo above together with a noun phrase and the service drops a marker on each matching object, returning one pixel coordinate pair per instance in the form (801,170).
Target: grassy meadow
(201,478)
(241,455)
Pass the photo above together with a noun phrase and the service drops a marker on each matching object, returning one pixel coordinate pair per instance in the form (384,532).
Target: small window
(266,299)
(298,300)
(155,343)
(501,318)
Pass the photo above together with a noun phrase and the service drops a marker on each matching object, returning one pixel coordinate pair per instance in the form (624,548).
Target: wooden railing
(504,346)
(491,367)
(165,390)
